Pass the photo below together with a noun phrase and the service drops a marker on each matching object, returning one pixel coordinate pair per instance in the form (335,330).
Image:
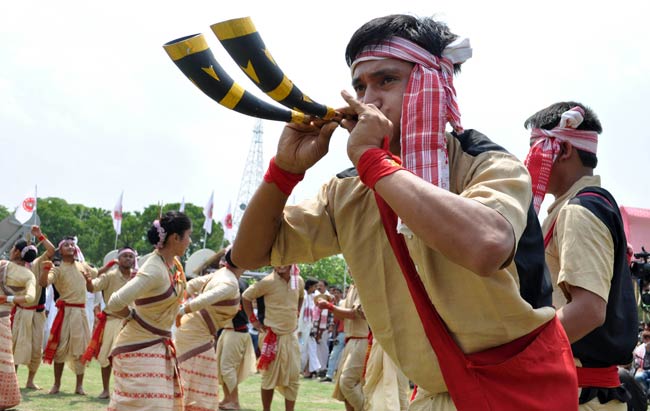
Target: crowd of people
(458,289)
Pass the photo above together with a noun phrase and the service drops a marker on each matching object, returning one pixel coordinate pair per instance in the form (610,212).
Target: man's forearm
(465,231)
(259,227)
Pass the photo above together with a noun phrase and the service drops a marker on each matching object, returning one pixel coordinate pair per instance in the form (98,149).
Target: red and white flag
(117,215)
(26,208)
(207,212)
(227,223)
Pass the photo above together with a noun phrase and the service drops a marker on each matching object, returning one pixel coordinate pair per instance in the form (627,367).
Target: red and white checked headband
(429,103)
(545,147)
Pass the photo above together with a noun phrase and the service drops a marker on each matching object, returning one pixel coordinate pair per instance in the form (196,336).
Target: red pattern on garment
(269,350)
(144,394)
(95,344)
(143,375)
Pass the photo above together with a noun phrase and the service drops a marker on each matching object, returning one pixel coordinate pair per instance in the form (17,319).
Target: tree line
(96,236)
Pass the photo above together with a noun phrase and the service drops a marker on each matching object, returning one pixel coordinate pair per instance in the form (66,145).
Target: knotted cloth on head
(545,147)
(429,103)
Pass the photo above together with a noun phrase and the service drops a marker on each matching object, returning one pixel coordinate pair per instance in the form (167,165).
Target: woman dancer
(144,358)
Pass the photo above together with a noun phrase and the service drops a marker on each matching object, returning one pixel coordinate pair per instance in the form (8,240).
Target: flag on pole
(182,207)
(117,215)
(227,223)
(207,212)
(26,208)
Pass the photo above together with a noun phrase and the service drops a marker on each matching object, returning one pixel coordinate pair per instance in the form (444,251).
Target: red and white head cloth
(545,147)
(130,250)
(294,273)
(429,103)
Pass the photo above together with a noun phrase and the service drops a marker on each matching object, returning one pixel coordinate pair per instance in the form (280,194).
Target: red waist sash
(95,344)
(55,332)
(606,377)
(269,350)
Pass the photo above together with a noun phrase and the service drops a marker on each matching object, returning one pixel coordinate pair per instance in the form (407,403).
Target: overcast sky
(91,105)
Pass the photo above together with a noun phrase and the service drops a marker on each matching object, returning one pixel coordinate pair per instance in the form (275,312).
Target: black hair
(550,116)
(30,255)
(324,282)
(173,222)
(310,282)
(432,35)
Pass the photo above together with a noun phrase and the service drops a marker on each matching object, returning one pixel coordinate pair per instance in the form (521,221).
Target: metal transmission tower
(252,177)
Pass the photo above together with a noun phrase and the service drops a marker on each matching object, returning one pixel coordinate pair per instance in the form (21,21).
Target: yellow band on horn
(282,91)
(297,117)
(231,29)
(183,48)
(331,113)
(231,99)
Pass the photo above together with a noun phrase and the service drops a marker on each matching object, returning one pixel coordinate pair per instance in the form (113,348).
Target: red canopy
(637,227)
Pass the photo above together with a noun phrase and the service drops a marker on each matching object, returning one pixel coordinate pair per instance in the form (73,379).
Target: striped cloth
(545,147)
(146,380)
(9,391)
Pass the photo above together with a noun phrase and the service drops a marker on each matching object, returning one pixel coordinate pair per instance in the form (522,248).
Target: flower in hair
(26,249)
(162,234)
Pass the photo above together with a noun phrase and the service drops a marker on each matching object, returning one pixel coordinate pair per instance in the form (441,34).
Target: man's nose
(372,96)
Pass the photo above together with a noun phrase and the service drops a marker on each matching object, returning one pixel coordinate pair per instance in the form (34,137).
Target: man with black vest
(585,251)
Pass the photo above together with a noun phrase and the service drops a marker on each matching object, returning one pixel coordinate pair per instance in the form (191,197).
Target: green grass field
(313,395)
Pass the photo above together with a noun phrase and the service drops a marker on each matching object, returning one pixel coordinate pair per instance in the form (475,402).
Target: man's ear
(566,151)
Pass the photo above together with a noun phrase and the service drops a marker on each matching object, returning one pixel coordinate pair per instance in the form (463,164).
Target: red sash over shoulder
(535,372)
(55,332)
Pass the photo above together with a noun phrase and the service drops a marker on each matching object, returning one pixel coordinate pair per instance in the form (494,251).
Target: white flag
(117,215)
(207,212)
(26,208)
(227,223)
(182,207)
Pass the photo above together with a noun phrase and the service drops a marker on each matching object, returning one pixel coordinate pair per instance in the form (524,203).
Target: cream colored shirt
(280,302)
(221,285)
(357,326)
(480,312)
(36,270)
(70,282)
(109,283)
(20,282)
(153,279)
(581,251)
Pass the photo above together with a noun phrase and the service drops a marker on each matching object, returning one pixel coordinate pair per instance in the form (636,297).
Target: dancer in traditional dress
(446,251)
(280,358)
(69,334)
(108,323)
(216,303)
(17,286)
(29,321)
(145,368)
(348,382)
(586,251)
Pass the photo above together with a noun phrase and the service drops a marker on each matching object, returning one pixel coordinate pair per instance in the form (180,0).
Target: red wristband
(283,179)
(111,263)
(330,306)
(252,318)
(41,238)
(376,163)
